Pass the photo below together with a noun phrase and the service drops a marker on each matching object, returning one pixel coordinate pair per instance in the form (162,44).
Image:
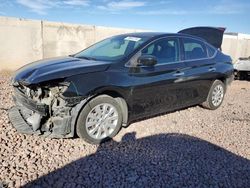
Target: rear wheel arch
(208,103)
(222,79)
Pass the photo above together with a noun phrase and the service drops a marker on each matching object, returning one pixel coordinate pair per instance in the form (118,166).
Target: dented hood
(56,68)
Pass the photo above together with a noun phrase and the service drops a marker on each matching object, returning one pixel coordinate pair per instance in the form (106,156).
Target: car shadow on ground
(165,160)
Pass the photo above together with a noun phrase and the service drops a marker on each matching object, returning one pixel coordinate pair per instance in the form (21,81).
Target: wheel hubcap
(101,121)
(217,95)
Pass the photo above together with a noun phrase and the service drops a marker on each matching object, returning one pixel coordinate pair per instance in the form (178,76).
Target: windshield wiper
(87,58)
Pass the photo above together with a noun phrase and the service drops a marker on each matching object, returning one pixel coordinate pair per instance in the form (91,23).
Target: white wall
(24,41)
(20,42)
(237,45)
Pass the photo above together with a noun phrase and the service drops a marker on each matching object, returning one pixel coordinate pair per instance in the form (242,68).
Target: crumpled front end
(43,110)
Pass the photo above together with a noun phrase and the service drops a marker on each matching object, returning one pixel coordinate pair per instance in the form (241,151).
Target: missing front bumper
(20,98)
(61,126)
(55,120)
(19,123)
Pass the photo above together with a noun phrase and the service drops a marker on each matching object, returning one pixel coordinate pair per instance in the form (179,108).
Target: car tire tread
(208,103)
(80,125)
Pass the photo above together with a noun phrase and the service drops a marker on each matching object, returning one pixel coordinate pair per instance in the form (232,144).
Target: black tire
(81,129)
(236,75)
(209,103)
(242,75)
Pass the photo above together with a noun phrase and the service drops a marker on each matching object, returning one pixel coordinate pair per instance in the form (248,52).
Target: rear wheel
(215,96)
(99,120)
(241,75)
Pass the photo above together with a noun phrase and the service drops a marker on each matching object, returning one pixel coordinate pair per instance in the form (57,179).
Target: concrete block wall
(20,42)
(24,41)
(63,39)
(237,45)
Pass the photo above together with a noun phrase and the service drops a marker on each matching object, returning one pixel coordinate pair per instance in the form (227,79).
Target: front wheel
(99,120)
(215,96)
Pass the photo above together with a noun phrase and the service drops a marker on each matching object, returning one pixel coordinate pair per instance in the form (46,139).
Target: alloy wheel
(101,121)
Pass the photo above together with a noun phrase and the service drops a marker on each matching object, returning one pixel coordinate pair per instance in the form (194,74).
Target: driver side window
(165,50)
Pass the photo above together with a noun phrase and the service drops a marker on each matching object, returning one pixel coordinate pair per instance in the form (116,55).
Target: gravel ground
(194,147)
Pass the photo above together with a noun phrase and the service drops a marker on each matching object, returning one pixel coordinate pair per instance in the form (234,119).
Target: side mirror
(147,60)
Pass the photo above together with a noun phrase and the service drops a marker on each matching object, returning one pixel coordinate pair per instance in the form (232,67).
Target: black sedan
(119,80)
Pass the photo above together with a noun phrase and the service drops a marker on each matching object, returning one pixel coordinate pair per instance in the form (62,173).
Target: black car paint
(56,68)
(147,90)
(150,94)
(212,35)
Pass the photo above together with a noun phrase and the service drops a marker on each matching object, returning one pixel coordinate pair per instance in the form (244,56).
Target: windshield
(112,49)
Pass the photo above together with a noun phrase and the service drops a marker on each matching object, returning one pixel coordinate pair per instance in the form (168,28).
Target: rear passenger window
(194,49)
(211,51)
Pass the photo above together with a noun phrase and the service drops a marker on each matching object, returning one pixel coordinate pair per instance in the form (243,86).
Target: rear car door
(200,69)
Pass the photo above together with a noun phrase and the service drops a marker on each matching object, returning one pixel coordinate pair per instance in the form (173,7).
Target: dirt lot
(188,148)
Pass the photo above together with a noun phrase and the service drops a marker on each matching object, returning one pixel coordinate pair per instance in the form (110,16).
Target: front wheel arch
(83,114)
(122,102)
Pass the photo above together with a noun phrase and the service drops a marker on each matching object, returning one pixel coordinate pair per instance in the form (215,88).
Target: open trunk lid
(213,35)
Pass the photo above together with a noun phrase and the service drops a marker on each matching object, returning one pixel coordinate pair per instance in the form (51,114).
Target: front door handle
(212,69)
(177,74)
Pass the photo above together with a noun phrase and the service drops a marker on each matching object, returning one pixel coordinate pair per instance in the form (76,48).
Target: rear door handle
(212,69)
(177,74)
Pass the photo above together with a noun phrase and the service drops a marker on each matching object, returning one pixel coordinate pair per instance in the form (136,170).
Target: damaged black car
(120,80)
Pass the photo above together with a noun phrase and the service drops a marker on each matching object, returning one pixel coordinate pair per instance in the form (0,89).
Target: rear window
(194,49)
(211,51)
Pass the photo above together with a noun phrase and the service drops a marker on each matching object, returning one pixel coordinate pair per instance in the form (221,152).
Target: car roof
(159,34)
(145,34)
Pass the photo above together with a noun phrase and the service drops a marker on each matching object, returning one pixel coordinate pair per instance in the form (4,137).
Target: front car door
(159,88)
